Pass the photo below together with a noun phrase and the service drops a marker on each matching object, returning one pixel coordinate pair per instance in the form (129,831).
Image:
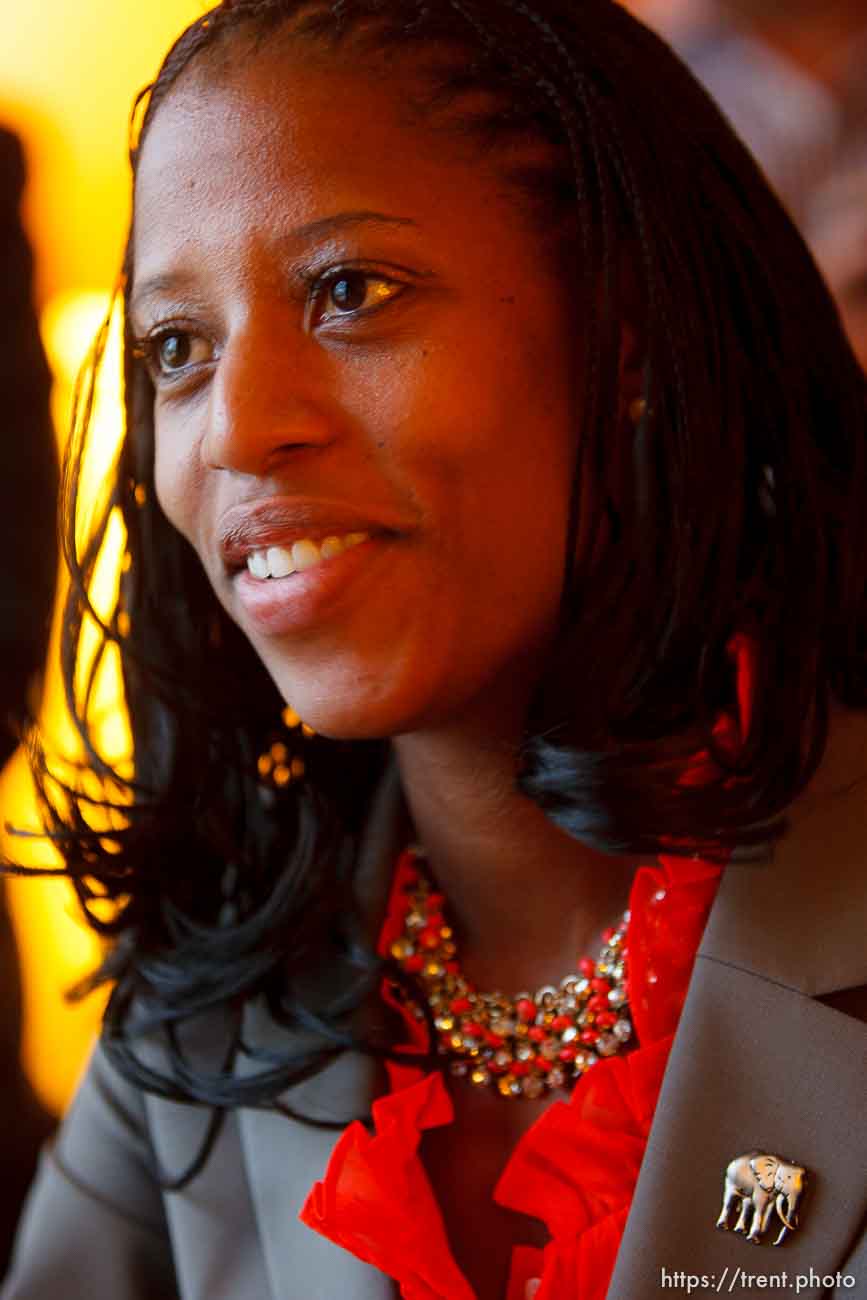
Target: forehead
(217,121)
(282,128)
(276,137)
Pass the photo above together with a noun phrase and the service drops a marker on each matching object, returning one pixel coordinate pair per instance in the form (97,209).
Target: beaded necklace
(522,1046)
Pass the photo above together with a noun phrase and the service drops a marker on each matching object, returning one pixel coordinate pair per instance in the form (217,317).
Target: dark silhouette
(28,462)
(28,547)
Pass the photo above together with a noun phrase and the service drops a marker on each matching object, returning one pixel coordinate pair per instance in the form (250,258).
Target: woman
(485,413)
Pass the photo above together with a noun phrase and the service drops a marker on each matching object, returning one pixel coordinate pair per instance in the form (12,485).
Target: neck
(526,898)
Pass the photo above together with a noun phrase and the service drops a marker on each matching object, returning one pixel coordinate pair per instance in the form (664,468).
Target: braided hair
(735,506)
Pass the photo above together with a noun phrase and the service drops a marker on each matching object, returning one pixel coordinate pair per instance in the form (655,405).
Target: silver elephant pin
(760,1184)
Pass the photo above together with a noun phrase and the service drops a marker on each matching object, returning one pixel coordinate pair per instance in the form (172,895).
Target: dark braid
(221,898)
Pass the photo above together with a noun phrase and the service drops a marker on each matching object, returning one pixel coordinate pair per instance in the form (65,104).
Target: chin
(361,688)
(345,714)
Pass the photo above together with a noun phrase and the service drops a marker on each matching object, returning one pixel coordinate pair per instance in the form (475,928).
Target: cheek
(178,483)
(495,478)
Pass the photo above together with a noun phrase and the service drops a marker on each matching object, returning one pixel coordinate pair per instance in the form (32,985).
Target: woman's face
(357,330)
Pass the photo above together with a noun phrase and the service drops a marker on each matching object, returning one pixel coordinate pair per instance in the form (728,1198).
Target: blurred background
(789,73)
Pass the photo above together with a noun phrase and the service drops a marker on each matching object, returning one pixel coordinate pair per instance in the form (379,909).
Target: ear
(765,1168)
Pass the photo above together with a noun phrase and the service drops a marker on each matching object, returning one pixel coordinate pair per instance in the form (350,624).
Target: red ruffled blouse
(576,1168)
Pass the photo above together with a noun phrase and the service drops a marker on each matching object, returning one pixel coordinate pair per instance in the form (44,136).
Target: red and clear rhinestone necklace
(526,1045)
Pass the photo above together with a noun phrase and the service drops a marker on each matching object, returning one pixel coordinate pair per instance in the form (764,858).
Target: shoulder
(799,918)
(94,1222)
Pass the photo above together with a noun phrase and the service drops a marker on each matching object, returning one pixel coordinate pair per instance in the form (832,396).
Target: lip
(282,520)
(281,606)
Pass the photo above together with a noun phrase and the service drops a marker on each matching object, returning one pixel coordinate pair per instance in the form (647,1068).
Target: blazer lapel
(755,1066)
(283,1159)
(759,1064)
(211,1264)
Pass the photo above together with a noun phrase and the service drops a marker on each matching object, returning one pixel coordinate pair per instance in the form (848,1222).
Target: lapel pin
(761,1186)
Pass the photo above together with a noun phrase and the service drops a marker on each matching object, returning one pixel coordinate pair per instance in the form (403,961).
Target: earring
(282,762)
(638,410)
(767,487)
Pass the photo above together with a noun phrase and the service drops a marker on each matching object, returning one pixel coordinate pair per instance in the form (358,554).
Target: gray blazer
(771,1054)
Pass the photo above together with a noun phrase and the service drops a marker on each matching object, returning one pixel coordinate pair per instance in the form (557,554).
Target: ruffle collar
(575,1169)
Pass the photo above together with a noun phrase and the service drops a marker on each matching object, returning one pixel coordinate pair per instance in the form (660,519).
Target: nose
(268,399)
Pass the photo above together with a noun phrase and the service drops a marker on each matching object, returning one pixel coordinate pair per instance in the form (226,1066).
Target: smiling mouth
(281,561)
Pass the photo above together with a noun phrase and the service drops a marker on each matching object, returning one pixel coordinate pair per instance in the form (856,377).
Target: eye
(350,293)
(169,352)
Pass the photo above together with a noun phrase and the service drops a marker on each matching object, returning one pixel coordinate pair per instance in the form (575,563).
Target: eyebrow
(171,281)
(345,221)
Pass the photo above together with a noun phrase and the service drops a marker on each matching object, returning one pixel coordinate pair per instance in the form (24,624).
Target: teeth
(305,554)
(257,563)
(280,562)
(330,547)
